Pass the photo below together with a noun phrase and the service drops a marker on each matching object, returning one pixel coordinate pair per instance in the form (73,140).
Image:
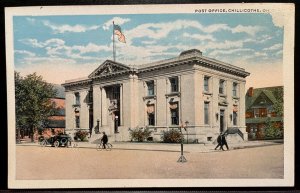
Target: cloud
(274,47)
(36,44)
(31,20)
(227,44)
(199,36)
(68,28)
(24,52)
(57,47)
(251,30)
(117,20)
(260,54)
(230,51)
(162,30)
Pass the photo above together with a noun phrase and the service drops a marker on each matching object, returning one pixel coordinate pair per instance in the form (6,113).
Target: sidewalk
(195,148)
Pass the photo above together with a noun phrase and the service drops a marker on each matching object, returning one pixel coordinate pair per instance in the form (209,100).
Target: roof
(110,69)
(263,119)
(270,92)
(56,124)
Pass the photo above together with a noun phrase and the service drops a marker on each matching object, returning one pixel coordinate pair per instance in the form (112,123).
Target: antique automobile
(62,140)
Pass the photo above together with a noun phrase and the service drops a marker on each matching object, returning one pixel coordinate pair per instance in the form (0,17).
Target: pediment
(109,67)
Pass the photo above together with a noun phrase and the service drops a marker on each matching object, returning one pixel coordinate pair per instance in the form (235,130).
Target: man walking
(224,142)
(219,140)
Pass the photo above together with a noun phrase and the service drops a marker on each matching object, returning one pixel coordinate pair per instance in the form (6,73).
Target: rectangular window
(234,118)
(174,114)
(77,98)
(206,113)
(206,85)
(263,112)
(174,84)
(151,114)
(150,87)
(151,119)
(256,113)
(116,92)
(221,86)
(234,89)
(77,121)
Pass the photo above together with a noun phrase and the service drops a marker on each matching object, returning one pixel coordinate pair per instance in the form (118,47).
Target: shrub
(81,135)
(271,131)
(140,134)
(172,136)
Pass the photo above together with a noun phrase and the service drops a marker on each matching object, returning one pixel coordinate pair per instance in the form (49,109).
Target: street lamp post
(187,134)
(182,159)
(116,124)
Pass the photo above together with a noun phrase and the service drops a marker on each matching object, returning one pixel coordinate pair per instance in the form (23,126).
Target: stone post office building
(205,93)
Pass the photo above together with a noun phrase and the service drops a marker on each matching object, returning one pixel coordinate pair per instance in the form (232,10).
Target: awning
(150,109)
(173,105)
(235,108)
(263,119)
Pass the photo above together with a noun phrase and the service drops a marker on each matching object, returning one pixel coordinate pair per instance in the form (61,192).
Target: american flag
(118,32)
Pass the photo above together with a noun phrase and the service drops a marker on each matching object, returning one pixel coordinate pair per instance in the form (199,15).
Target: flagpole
(114,48)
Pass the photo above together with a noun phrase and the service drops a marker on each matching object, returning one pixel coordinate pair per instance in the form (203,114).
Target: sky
(67,47)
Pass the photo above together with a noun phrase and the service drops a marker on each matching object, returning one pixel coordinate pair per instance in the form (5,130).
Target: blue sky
(66,47)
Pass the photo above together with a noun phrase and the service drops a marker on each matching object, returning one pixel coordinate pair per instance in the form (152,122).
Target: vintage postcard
(182,95)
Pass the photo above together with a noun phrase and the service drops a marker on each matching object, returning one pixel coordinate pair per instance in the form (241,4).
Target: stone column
(121,104)
(104,108)
(215,104)
(96,106)
(241,113)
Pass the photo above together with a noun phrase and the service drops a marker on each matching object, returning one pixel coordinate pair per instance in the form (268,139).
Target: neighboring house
(56,123)
(260,110)
(205,93)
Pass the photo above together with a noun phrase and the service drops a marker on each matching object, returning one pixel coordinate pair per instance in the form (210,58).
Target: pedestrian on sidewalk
(224,142)
(219,140)
(104,140)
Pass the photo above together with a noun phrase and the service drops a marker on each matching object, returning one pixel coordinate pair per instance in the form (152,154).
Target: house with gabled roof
(202,94)
(260,110)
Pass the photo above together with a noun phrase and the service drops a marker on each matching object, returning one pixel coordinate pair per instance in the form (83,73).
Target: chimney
(250,92)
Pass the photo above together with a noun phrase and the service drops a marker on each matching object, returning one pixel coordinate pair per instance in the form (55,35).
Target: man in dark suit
(219,140)
(224,142)
(104,140)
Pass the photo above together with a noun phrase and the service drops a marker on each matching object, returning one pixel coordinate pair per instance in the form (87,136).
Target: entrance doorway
(222,125)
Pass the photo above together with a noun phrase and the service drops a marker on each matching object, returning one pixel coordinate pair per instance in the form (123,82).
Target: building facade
(191,88)
(260,112)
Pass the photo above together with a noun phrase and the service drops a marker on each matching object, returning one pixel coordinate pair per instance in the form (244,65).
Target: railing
(235,130)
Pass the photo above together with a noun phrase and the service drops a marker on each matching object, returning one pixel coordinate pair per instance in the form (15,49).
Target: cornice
(216,65)
(79,83)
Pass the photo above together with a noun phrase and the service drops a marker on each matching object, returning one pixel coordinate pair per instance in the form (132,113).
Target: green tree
(272,132)
(278,105)
(33,104)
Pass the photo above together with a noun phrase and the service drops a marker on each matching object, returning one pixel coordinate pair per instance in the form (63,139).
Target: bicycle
(44,142)
(100,147)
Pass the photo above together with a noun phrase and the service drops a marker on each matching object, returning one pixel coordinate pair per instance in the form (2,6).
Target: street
(38,163)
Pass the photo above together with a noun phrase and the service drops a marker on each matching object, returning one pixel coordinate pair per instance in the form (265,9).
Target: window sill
(173,94)
(235,97)
(207,93)
(76,105)
(222,95)
(149,97)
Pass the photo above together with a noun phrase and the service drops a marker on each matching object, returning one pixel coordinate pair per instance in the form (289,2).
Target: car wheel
(56,144)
